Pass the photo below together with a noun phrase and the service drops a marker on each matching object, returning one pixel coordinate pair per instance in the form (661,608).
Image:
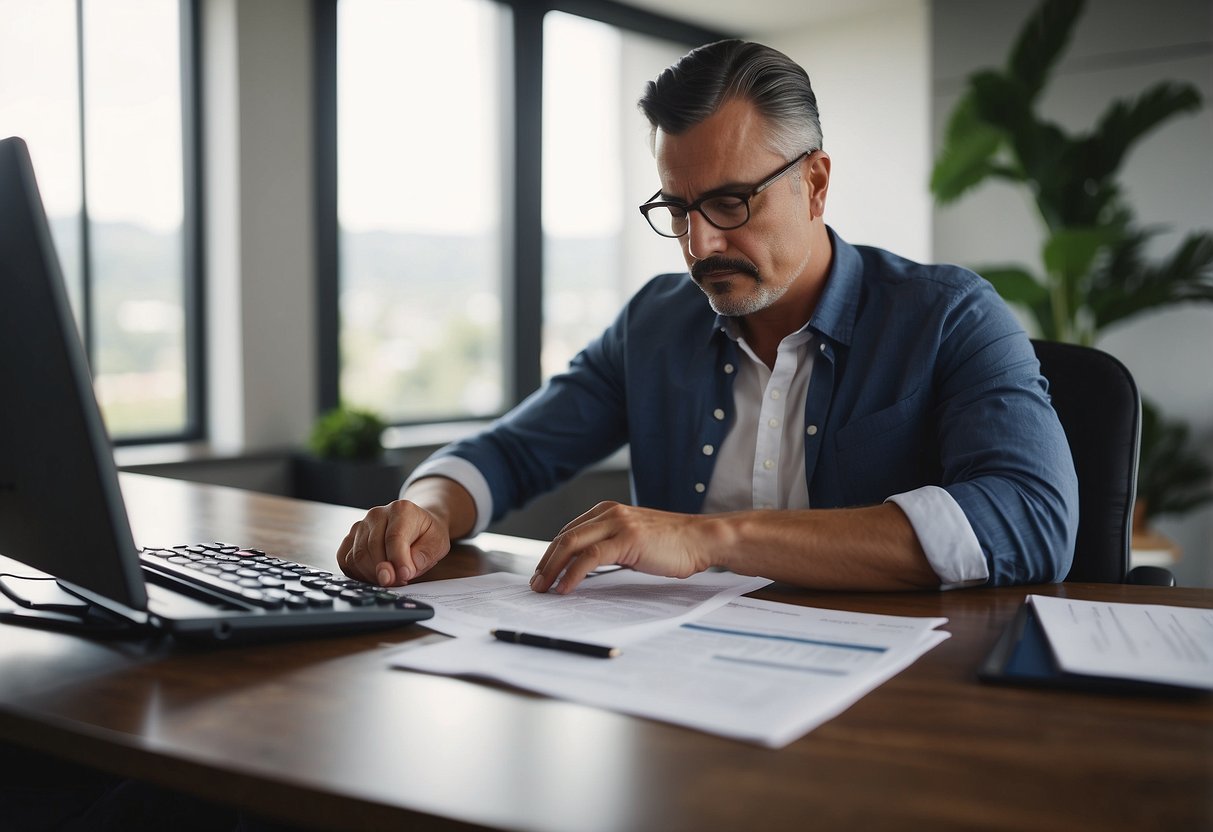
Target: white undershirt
(760,463)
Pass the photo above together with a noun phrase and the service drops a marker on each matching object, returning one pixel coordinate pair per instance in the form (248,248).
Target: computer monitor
(61,510)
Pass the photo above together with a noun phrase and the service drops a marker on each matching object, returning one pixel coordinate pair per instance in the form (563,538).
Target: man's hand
(647,540)
(396,543)
(393,544)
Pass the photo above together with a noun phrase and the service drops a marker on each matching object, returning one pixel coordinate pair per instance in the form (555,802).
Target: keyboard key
(318,599)
(358,599)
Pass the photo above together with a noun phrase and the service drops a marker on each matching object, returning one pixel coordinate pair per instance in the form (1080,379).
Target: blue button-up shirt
(923,377)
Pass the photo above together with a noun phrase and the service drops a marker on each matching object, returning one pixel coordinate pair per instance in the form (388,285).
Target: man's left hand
(644,539)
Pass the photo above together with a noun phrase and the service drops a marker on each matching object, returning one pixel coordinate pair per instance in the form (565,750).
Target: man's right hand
(396,543)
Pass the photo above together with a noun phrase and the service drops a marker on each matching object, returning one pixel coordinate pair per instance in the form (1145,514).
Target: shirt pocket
(882,453)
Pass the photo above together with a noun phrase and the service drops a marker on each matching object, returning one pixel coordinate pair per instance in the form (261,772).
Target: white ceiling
(758,17)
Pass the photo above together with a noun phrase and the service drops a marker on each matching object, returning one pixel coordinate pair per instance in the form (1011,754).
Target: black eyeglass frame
(697,205)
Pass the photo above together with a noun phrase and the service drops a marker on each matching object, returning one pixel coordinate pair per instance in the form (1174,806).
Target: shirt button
(811,430)
(768,464)
(775,393)
(728,368)
(774,423)
(700,488)
(708,450)
(822,347)
(719,414)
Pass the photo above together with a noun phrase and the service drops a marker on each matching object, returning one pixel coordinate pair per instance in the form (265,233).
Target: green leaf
(1040,148)
(1172,477)
(1070,252)
(1041,41)
(1014,284)
(1000,101)
(967,155)
(1125,123)
(1126,285)
(1018,286)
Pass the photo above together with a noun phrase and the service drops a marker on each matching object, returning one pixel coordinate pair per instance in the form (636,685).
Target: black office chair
(1099,406)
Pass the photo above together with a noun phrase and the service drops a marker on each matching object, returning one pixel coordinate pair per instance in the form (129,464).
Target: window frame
(192,265)
(522,280)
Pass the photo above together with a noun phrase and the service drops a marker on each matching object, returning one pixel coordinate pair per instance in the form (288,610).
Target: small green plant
(347,433)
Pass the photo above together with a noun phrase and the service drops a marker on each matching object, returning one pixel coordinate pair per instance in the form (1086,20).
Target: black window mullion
(524,292)
(87,328)
(328,293)
(192,252)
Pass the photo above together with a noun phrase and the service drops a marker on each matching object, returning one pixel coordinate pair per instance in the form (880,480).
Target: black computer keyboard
(250,576)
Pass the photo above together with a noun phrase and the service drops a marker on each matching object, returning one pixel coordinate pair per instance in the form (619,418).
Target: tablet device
(1022,656)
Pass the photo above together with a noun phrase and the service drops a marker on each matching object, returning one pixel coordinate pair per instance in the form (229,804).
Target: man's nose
(703,238)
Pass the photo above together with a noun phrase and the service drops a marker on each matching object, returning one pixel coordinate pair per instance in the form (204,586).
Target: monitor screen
(61,509)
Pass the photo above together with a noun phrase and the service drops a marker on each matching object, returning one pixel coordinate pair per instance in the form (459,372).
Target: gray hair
(695,87)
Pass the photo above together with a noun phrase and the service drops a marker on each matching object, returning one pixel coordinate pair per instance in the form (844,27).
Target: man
(833,416)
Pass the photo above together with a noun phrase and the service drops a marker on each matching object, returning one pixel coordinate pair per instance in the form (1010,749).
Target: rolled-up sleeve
(946,536)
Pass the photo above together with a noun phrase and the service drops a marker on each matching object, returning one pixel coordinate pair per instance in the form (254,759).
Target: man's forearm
(872,548)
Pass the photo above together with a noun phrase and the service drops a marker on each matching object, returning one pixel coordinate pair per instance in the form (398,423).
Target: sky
(134,98)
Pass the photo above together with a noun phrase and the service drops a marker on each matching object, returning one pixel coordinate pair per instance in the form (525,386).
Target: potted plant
(1093,270)
(345,462)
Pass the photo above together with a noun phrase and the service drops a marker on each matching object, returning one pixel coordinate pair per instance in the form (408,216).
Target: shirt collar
(835,314)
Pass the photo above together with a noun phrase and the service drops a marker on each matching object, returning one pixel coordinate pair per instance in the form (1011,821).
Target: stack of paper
(1139,642)
(753,670)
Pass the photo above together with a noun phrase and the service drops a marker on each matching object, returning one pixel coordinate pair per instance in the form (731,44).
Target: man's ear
(817,176)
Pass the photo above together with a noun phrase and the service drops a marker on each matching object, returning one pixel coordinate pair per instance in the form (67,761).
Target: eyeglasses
(724,210)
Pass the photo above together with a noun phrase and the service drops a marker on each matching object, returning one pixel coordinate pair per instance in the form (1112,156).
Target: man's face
(746,269)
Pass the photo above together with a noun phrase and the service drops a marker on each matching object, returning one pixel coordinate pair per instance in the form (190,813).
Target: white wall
(1120,48)
(871,76)
(259,225)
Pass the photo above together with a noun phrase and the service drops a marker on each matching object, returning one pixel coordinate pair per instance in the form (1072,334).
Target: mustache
(712,265)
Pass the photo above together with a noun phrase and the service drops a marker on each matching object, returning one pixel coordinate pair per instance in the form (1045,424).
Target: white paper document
(753,670)
(1146,642)
(605,603)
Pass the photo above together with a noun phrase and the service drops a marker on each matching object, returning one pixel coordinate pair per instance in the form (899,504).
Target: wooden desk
(323,733)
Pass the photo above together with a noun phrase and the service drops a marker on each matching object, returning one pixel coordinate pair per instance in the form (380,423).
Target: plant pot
(362,483)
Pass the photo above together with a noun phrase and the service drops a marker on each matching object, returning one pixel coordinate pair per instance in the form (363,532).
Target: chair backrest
(1099,407)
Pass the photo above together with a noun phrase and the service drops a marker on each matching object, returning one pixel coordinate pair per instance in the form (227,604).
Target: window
(458,274)
(597,168)
(95,88)
(420,199)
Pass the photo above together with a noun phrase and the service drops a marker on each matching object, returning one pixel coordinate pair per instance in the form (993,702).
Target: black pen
(597,650)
